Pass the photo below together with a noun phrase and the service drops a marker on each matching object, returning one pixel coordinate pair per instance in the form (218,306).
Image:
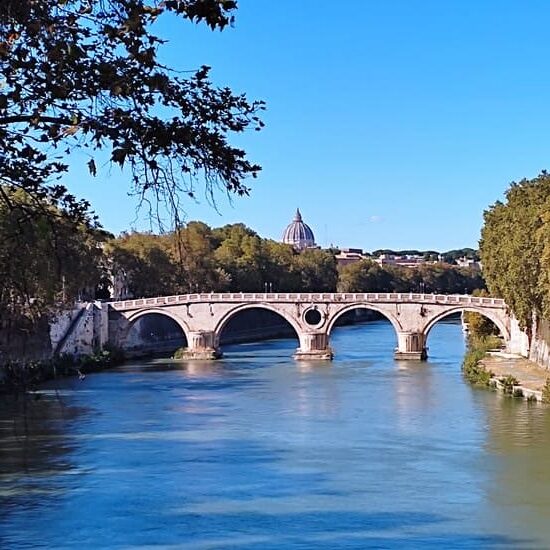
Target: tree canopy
(230,258)
(515,248)
(235,258)
(85,74)
(368,276)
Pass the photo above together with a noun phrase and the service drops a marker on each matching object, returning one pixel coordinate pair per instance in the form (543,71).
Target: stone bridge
(202,317)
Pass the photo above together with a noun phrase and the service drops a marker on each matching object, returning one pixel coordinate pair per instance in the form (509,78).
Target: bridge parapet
(307,297)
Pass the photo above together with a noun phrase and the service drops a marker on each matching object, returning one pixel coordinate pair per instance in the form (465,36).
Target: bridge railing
(307,297)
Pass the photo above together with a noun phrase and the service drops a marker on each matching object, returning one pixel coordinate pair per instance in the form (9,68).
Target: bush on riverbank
(484,343)
(474,371)
(18,377)
(546,391)
(477,373)
(472,366)
(509,384)
(180,353)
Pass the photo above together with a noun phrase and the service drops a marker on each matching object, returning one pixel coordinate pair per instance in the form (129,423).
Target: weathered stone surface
(314,355)
(202,317)
(198,354)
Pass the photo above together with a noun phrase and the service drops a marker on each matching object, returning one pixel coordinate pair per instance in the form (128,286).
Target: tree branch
(32,118)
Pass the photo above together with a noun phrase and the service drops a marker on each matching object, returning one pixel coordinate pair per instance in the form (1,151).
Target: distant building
(401,261)
(348,256)
(299,234)
(469,263)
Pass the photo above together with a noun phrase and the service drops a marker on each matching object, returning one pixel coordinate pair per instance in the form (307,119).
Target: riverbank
(531,378)
(21,377)
(486,364)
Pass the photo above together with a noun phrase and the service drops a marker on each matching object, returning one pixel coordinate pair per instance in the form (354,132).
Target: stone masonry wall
(540,344)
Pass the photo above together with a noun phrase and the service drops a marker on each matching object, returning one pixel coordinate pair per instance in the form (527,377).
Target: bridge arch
(493,316)
(363,305)
(136,315)
(227,316)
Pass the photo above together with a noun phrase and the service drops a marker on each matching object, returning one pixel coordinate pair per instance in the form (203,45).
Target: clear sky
(391,124)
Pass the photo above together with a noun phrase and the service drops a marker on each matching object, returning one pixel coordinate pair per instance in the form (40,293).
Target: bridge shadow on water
(366,342)
(274,348)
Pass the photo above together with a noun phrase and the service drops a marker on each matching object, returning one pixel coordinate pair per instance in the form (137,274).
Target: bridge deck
(306,297)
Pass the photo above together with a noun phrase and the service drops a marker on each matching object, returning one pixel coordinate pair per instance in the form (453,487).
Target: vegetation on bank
(515,253)
(546,391)
(508,385)
(21,377)
(439,278)
(432,255)
(472,366)
(86,75)
(515,249)
(180,353)
(478,374)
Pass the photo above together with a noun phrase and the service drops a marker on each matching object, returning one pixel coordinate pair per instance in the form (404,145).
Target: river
(258,452)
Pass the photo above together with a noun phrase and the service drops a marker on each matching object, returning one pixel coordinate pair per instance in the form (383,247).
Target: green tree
(364,276)
(452,255)
(43,265)
(241,255)
(480,326)
(279,273)
(32,276)
(514,248)
(144,260)
(543,239)
(192,248)
(86,75)
(368,276)
(317,270)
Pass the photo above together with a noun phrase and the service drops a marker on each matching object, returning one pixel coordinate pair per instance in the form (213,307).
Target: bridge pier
(411,346)
(201,345)
(313,345)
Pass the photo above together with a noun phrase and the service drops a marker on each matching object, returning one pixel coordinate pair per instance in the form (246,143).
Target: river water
(258,452)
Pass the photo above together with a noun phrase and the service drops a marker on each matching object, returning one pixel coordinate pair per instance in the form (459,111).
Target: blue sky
(391,124)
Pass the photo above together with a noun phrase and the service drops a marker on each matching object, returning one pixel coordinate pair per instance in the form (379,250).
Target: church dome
(298,233)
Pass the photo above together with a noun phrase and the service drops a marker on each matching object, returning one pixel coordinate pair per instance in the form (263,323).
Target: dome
(298,233)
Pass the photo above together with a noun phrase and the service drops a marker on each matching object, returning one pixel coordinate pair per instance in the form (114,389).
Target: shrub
(508,383)
(474,371)
(116,355)
(546,391)
(23,377)
(485,343)
(107,357)
(179,353)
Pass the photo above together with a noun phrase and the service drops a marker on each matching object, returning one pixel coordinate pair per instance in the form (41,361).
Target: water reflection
(257,451)
(35,454)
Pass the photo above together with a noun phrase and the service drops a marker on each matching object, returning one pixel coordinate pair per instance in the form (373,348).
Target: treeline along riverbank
(197,257)
(515,252)
(154,335)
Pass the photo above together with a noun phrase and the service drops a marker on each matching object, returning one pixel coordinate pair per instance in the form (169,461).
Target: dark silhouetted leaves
(84,74)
